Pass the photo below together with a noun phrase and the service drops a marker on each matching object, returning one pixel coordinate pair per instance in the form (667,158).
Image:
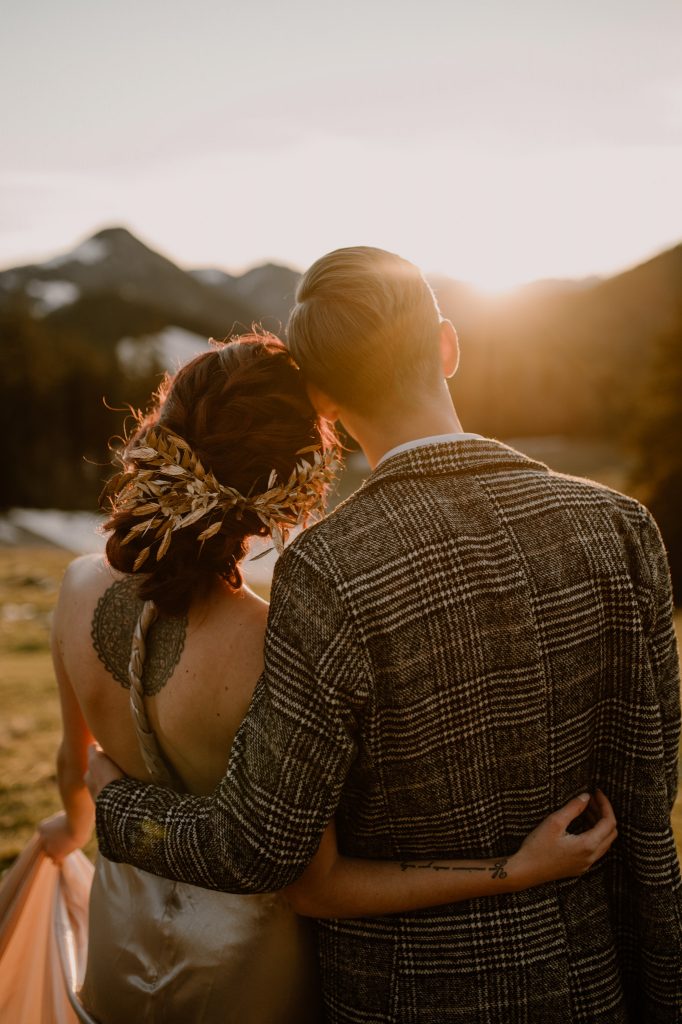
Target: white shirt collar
(421,442)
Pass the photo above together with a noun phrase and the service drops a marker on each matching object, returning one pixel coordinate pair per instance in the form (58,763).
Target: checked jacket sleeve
(262,825)
(662,649)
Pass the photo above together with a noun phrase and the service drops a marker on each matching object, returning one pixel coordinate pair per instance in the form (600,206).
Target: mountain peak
(114,233)
(116,238)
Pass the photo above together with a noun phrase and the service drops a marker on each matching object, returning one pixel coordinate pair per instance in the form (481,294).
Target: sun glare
(496,285)
(496,277)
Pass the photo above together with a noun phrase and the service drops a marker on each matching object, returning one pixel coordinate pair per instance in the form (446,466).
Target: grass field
(30,721)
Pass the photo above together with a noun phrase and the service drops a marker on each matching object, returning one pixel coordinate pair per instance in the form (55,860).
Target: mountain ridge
(553,357)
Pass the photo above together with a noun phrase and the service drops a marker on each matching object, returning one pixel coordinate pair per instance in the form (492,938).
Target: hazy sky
(491,140)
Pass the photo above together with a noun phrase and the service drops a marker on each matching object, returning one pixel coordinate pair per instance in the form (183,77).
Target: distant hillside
(112,286)
(554,357)
(86,335)
(560,360)
(269,290)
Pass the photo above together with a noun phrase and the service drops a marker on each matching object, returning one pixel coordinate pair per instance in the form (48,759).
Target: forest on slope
(89,333)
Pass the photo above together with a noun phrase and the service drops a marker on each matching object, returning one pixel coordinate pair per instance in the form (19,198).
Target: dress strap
(154,760)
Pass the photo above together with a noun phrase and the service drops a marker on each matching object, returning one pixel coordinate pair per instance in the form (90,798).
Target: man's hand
(101,771)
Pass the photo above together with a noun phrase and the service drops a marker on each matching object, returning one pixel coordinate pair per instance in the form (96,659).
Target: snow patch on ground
(179,346)
(9,534)
(170,349)
(137,356)
(51,295)
(78,532)
(94,250)
(75,531)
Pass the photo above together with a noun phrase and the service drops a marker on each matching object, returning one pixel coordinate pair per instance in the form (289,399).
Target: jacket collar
(447,457)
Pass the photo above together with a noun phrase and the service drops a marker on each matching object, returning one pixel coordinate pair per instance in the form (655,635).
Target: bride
(157,656)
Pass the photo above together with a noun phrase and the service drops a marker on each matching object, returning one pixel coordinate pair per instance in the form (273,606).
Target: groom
(459,648)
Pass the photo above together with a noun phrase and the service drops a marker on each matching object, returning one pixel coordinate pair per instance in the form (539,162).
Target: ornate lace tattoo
(113,624)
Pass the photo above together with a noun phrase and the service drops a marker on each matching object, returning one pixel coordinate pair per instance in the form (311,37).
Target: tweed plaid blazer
(459,648)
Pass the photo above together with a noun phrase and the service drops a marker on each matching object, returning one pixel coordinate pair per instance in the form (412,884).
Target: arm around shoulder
(262,825)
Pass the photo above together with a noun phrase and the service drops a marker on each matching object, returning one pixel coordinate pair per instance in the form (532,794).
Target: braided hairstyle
(243,409)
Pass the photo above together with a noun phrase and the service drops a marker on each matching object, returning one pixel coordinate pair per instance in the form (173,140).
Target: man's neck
(433,417)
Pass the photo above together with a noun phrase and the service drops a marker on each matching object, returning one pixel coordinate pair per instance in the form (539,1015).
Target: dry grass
(30,721)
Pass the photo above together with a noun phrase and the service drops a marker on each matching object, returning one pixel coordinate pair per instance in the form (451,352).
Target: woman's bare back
(179,951)
(199,674)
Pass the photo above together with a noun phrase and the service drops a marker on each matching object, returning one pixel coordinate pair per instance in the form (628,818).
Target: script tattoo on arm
(496,870)
(113,623)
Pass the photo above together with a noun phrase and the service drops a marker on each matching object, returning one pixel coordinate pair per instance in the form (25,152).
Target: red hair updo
(243,409)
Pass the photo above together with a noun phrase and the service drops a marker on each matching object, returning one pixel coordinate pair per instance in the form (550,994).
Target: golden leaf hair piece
(164,483)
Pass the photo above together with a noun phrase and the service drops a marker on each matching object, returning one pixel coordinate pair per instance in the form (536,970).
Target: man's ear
(449,349)
(323,405)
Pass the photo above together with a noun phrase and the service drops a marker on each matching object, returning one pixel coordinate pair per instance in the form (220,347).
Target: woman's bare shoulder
(87,568)
(86,578)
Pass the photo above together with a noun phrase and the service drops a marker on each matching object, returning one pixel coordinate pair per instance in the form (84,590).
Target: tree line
(63,398)
(61,401)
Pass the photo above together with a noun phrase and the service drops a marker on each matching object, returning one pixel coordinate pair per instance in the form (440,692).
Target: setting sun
(516,162)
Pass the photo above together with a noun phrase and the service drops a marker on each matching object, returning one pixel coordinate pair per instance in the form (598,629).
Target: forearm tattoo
(496,870)
(113,623)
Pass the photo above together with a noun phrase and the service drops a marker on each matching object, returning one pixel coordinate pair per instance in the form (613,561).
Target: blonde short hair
(365,327)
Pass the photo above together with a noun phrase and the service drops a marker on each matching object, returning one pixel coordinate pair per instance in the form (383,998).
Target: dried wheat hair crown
(164,483)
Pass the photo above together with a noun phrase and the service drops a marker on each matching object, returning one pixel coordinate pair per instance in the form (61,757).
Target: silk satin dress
(161,952)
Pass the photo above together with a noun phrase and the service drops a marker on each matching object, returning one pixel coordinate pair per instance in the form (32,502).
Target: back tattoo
(113,624)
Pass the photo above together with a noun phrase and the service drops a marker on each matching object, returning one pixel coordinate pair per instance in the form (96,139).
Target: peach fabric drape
(44,938)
